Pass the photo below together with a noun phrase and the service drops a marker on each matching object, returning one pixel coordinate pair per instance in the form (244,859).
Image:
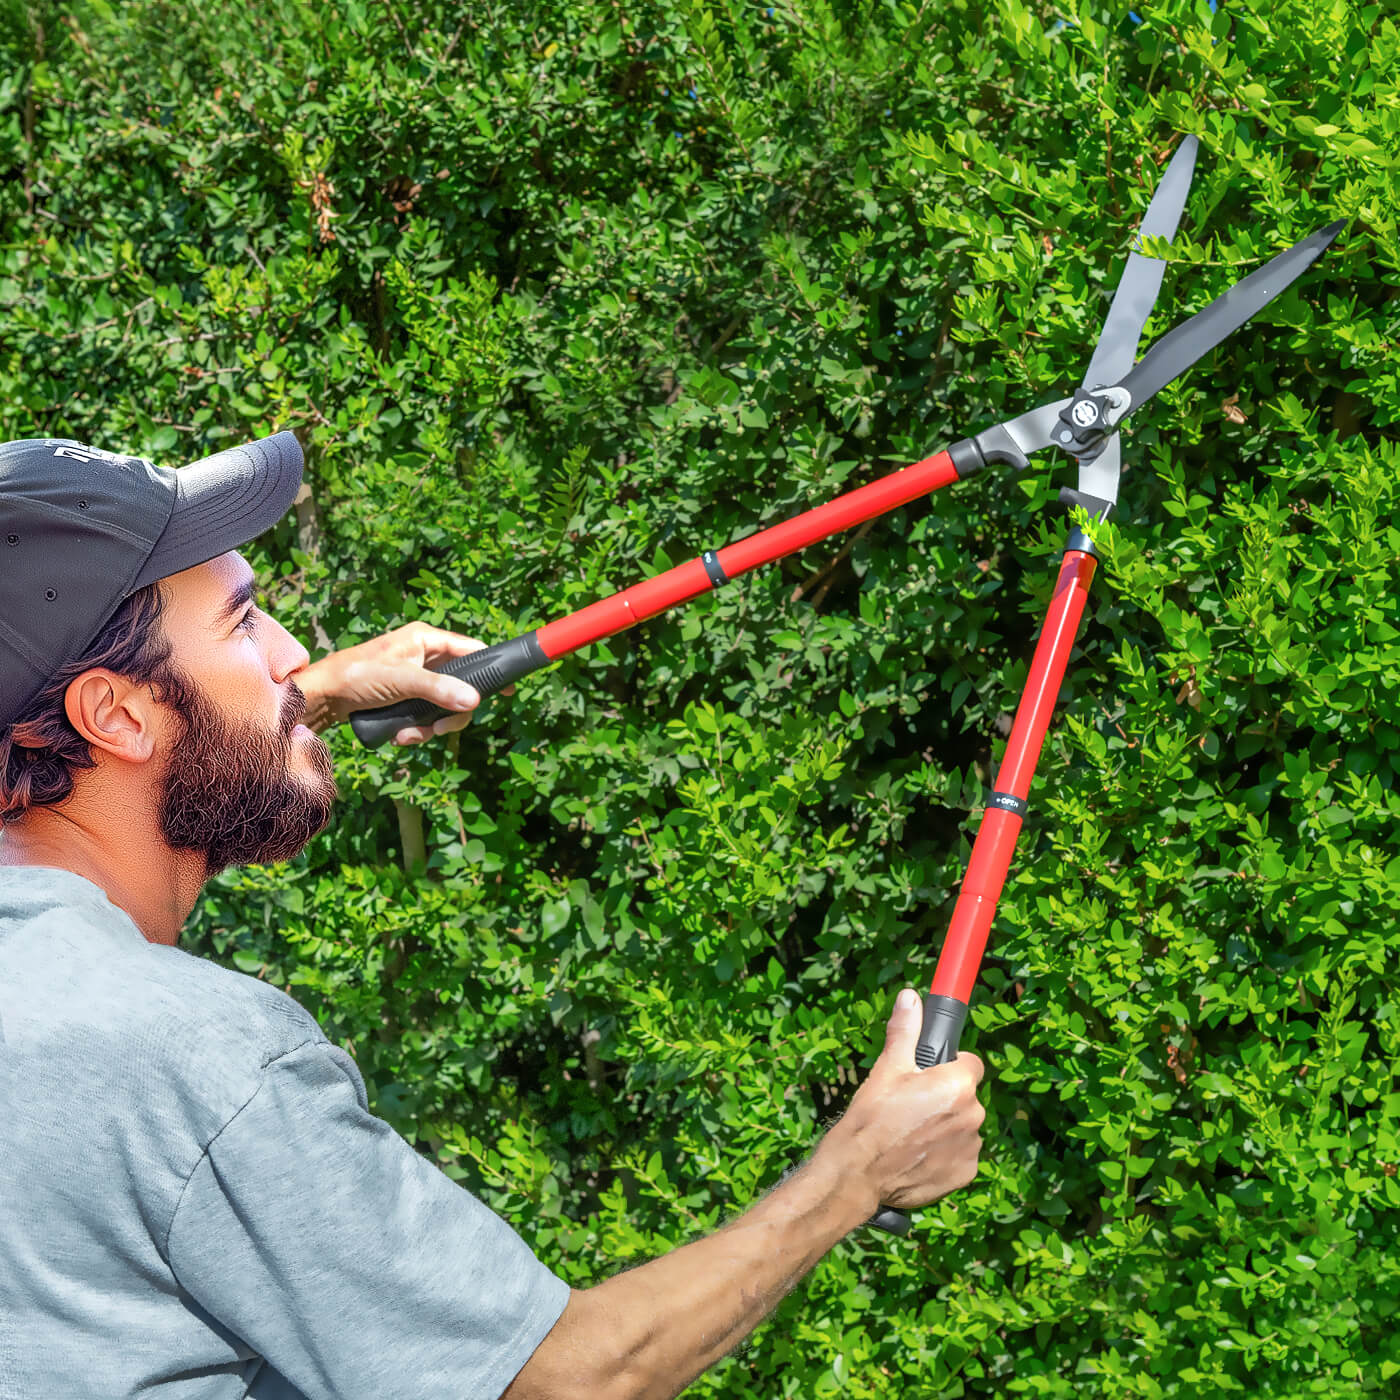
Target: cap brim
(223,501)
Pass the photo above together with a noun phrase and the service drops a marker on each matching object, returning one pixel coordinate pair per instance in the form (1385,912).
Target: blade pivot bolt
(1089,417)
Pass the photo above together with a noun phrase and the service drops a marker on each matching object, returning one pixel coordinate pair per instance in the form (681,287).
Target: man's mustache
(293,708)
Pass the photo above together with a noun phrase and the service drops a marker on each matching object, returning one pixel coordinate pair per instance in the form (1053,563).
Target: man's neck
(140,874)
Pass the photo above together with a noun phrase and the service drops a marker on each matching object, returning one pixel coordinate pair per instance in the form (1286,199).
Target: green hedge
(557,294)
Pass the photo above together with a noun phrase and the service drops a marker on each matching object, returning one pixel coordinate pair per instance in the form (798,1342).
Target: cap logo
(89,454)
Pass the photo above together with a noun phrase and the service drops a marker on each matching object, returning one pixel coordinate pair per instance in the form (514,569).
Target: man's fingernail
(467,698)
(907,1000)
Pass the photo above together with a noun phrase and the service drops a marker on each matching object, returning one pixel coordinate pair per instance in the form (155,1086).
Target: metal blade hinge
(1088,419)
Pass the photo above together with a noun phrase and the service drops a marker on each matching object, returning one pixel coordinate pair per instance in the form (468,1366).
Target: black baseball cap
(82,529)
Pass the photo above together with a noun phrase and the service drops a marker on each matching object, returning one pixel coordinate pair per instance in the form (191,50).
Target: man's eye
(249,621)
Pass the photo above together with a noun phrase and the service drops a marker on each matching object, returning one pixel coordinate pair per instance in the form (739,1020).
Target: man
(194,1199)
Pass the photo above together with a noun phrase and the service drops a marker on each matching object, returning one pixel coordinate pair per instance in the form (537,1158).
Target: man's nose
(288,654)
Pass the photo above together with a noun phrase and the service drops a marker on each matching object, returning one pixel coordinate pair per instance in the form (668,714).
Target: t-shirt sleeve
(316,1233)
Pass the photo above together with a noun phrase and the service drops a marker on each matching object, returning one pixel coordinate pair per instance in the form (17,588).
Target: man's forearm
(666,1321)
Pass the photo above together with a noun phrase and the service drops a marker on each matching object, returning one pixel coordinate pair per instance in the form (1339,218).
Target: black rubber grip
(489,671)
(890,1220)
(944,1018)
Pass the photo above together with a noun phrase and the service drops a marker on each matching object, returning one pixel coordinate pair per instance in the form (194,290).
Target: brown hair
(41,752)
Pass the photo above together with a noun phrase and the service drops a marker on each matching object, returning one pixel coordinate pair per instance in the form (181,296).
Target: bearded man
(195,1201)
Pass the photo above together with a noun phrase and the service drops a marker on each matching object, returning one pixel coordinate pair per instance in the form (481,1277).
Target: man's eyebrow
(235,602)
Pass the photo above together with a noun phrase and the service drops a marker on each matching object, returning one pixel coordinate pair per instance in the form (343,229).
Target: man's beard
(229,789)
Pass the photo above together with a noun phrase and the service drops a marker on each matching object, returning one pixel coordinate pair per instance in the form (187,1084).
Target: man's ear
(114,714)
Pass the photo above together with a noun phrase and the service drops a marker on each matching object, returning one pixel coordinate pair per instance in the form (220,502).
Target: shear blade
(1180,348)
(1142,277)
(1098,477)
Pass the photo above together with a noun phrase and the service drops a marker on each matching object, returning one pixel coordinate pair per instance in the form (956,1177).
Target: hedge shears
(1086,427)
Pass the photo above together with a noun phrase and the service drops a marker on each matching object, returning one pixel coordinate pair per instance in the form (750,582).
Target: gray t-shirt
(196,1202)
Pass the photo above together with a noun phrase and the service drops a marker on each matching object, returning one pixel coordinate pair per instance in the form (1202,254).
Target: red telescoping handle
(945,1005)
(497,666)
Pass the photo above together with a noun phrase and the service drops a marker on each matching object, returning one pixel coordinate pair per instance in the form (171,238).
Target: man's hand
(390,668)
(913,1134)
(909,1136)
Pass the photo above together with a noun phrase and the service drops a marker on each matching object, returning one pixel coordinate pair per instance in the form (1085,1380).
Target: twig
(826,569)
(398,24)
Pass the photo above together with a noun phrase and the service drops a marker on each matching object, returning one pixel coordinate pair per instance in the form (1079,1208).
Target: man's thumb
(902,1029)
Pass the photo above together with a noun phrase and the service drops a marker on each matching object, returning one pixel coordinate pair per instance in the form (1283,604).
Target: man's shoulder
(243,1007)
(196,1017)
(81,970)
